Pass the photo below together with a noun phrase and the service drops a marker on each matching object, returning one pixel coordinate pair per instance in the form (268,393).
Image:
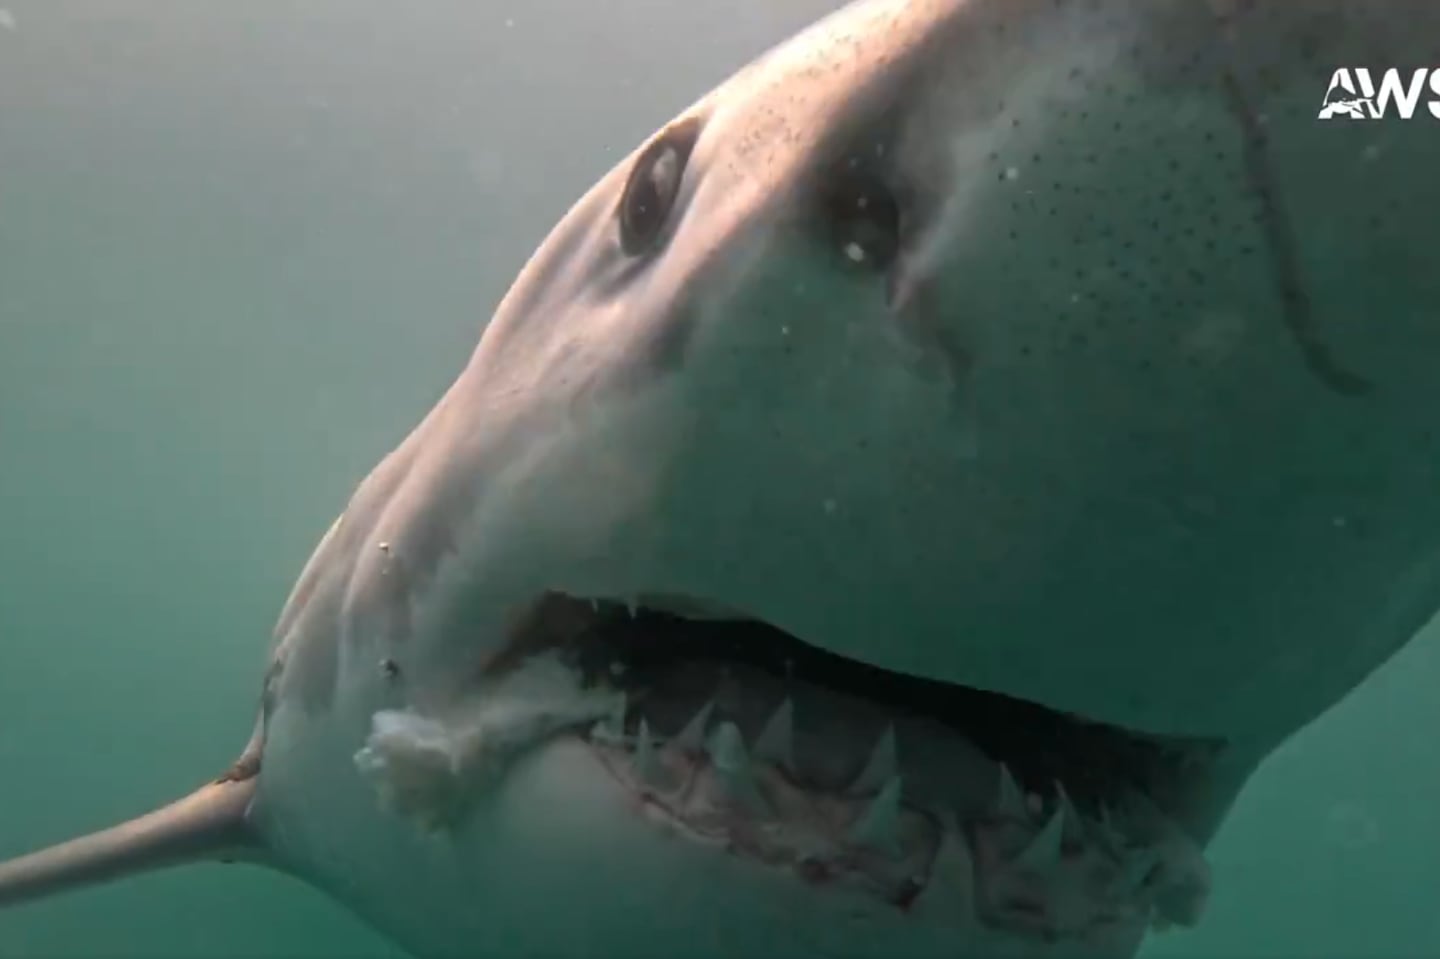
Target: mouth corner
(1042,824)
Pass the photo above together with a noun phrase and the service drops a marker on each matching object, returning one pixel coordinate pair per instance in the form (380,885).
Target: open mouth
(967,804)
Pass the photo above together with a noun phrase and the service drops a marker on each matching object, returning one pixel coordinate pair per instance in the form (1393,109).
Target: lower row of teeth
(1137,867)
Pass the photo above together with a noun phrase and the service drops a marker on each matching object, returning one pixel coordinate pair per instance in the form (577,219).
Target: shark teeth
(732,767)
(727,750)
(1043,852)
(776,743)
(950,888)
(1009,801)
(1074,824)
(882,766)
(879,826)
(1109,832)
(692,737)
(647,761)
(611,729)
(1134,872)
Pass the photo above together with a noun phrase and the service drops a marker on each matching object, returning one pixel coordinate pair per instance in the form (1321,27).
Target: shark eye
(653,186)
(863,218)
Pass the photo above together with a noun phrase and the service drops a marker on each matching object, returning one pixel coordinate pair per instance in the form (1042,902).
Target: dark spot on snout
(861,217)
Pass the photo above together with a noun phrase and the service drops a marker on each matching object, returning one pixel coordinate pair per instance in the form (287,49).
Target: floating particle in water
(7,20)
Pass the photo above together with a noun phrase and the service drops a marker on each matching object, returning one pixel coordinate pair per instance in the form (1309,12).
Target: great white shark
(893,513)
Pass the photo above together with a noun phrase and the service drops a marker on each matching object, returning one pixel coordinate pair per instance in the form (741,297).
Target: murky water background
(243,248)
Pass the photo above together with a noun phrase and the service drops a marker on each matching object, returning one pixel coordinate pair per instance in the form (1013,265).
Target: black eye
(863,217)
(653,186)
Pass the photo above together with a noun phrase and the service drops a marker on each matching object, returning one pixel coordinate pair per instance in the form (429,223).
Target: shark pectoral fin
(208,824)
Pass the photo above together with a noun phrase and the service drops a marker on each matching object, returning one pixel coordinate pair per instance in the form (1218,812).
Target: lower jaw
(848,793)
(566,862)
(1022,866)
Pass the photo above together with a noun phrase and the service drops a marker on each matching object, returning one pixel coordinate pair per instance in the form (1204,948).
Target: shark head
(901,503)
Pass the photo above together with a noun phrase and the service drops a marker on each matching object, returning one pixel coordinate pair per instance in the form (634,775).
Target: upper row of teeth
(878,826)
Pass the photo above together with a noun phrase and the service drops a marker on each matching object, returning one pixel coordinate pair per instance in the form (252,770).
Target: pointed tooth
(1116,843)
(732,765)
(776,743)
(611,729)
(1074,824)
(727,749)
(631,605)
(882,766)
(1043,853)
(1110,832)
(879,825)
(1009,801)
(950,888)
(647,762)
(1135,870)
(1063,799)
(692,737)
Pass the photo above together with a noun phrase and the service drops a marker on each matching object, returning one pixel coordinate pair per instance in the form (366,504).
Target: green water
(243,248)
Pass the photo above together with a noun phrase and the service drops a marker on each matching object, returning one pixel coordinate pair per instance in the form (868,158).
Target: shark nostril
(862,217)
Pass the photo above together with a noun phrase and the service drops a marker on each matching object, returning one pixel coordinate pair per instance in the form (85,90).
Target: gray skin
(1128,412)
